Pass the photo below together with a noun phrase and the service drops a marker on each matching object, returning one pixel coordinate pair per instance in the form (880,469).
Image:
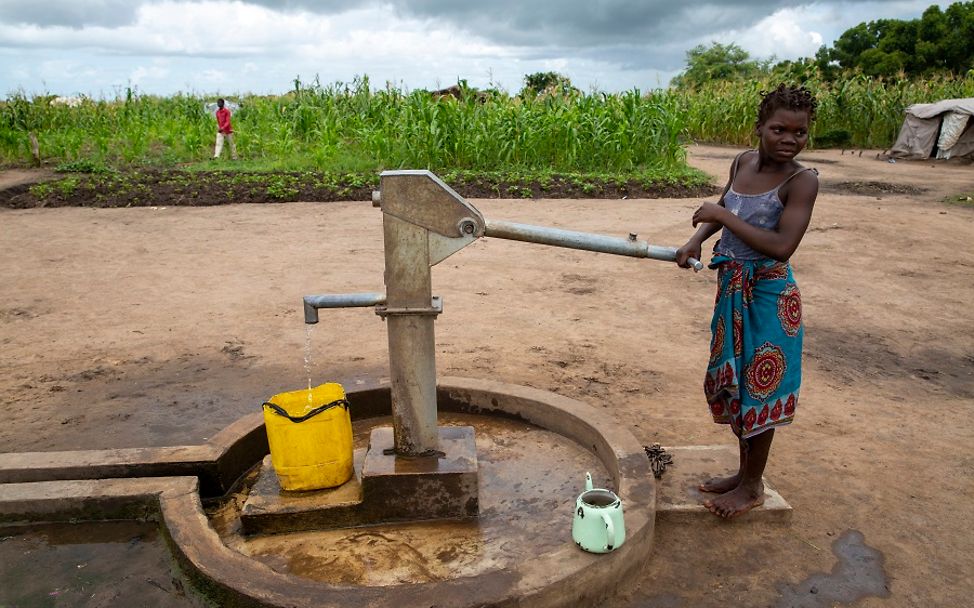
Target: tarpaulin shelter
(937,130)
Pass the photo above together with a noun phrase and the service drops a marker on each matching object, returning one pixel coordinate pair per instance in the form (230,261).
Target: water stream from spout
(307,359)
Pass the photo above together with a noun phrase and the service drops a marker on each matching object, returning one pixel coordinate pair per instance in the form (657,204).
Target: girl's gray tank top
(761,210)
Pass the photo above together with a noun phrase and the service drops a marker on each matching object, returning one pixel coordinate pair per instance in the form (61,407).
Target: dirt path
(10,178)
(159,326)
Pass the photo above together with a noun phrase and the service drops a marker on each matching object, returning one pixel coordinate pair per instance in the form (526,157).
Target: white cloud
(258,46)
(157,71)
(787,34)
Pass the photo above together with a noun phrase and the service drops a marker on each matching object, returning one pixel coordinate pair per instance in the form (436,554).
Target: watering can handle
(610,531)
(588,481)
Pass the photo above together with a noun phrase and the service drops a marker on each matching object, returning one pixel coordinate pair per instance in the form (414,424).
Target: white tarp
(946,124)
(211,107)
(951,129)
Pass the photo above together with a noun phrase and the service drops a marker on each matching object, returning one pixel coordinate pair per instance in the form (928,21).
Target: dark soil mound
(146,188)
(872,188)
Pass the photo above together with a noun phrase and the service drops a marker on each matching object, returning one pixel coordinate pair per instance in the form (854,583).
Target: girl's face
(784,134)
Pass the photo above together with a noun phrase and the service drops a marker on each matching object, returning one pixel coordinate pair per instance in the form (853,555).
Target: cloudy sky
(99,47)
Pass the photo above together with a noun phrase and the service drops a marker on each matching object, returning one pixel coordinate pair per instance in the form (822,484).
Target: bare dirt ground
(159,326)
(11,178)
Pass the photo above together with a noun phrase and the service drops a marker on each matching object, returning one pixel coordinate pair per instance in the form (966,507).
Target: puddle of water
(858,574)
(90,564)
(529,479)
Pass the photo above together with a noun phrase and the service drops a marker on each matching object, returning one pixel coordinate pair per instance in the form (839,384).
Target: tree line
(941,41)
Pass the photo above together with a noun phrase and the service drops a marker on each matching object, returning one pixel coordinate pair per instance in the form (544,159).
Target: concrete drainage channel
(167,484)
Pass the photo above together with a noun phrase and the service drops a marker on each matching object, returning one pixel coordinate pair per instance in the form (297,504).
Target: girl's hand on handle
(708,213)
(689,251)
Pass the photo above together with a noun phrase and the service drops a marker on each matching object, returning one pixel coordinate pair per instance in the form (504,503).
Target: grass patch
(966,199)
(82,166)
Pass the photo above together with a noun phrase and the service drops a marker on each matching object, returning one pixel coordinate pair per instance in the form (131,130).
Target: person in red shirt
(224,131)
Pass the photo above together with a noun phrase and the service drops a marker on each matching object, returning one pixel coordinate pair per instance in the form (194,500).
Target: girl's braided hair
(789,98)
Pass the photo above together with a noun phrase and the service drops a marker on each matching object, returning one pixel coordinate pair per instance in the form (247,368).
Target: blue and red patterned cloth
(755,371)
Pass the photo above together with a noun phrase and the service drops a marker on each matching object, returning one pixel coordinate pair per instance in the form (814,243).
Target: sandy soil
(10,178)
(159,326)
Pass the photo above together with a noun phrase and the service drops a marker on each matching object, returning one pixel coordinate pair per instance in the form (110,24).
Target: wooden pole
(35,149)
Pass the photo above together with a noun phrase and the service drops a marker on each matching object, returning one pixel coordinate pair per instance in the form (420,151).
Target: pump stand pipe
(412,366)
(585,241)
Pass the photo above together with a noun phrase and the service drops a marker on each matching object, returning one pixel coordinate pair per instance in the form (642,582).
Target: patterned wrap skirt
(755,368)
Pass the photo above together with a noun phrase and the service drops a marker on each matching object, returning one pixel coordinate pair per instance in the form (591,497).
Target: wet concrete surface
(528,477)
(384,488)
(88,565)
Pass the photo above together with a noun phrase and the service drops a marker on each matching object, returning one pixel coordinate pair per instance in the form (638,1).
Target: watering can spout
(588,481)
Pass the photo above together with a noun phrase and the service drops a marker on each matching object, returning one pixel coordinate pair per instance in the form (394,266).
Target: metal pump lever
(425,221)
(584,241)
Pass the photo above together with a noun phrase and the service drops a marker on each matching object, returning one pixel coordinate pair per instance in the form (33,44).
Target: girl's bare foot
(736,502)
(720,485)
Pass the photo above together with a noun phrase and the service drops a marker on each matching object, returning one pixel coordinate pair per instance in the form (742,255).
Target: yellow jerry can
(310,437)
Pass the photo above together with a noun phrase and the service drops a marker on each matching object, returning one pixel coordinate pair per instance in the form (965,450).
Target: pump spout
(585,241)
(338,300)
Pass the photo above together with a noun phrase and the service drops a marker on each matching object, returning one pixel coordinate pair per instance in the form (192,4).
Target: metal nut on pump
(467,226)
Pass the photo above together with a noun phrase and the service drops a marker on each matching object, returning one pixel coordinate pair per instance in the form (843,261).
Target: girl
(754,372)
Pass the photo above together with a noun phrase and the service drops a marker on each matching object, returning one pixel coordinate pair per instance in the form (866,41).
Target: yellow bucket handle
(280,411)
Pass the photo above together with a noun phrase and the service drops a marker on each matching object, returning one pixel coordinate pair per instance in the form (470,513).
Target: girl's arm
(694,245)
(780,243)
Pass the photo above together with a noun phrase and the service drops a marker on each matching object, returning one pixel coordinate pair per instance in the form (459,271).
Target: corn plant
(869,110)
(348,126)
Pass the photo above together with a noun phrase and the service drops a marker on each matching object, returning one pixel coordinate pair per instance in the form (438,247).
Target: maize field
(352,128)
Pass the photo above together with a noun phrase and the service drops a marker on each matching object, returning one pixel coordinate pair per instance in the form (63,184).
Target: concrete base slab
(403,488)
(385,488)
(268,508)
(679,500)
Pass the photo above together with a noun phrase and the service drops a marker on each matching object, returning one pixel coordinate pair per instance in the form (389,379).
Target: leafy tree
(828,67)
(547,81)
(958,45)
(798,70)
(851,45)
(938,41)
(717,62)
(931,33)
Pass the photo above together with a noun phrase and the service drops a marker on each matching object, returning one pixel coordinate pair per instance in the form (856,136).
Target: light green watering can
(598,526)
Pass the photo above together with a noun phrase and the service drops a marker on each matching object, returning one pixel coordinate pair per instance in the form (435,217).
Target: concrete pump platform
(536,564)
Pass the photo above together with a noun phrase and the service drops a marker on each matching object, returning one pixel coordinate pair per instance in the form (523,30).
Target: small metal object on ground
(658,459)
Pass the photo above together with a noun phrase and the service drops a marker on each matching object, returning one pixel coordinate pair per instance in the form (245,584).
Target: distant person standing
(224,130)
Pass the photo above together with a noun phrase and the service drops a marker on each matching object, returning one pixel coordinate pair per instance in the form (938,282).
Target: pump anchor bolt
(632,236)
